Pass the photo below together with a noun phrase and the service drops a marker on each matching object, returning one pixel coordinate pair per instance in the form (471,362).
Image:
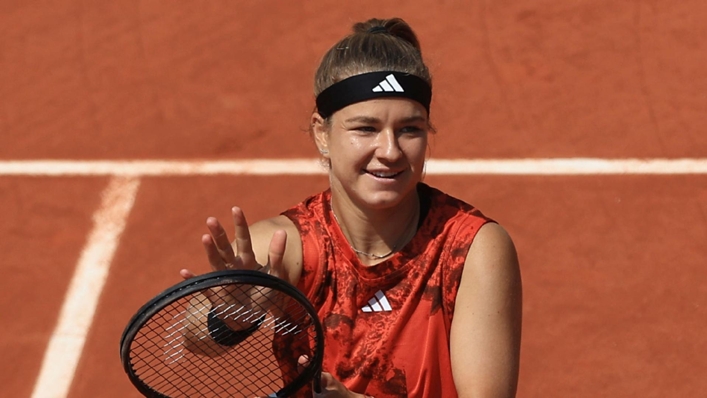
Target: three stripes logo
(379,303)
(390,84)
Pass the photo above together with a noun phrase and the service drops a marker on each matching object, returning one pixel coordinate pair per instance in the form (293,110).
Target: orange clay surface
(614,273)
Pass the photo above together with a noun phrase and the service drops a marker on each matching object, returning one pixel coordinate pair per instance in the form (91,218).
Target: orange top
(387,326)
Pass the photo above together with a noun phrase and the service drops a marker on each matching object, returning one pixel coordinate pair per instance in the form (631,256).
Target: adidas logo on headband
(357,88)
(389,85)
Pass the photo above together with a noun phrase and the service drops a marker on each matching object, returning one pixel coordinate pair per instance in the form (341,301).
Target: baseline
(554,166)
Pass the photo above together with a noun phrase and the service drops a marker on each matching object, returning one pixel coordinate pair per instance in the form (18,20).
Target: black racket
(179,344)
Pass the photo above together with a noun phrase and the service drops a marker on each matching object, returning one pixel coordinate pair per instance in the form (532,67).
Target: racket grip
(225,336)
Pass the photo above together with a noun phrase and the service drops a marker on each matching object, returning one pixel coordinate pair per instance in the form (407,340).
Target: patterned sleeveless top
(387,326)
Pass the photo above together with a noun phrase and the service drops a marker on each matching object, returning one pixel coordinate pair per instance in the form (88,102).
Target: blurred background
(613,265)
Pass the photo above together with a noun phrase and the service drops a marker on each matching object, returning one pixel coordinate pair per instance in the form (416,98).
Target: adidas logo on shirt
(390,84)
(379,303)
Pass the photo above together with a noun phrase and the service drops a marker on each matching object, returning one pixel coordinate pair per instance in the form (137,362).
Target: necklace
(393,249)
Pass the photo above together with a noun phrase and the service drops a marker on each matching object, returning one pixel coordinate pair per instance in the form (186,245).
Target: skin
(376,151)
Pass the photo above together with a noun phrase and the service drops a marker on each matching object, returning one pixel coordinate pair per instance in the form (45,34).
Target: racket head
(154,353)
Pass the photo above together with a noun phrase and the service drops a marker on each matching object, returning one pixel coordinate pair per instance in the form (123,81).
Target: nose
(388,146)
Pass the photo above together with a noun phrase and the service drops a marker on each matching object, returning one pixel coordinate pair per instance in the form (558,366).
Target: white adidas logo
(378,303)
(389,84)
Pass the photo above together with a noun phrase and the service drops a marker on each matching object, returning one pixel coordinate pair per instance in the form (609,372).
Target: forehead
(383,109)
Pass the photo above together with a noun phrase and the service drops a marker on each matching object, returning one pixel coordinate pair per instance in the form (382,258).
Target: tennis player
(419,292)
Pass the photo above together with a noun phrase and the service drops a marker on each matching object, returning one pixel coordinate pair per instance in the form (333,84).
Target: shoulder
(491,272)
(492,250)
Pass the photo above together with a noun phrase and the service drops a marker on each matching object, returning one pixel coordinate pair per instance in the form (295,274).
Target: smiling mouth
(384,174)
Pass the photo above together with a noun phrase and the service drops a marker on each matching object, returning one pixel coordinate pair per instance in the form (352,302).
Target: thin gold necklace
(374,256)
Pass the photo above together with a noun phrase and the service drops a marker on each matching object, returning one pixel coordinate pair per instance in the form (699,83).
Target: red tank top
(387,326)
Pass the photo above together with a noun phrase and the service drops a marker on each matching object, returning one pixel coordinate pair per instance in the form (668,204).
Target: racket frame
(311,372)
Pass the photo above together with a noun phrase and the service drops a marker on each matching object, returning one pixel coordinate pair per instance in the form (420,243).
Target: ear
(320,132)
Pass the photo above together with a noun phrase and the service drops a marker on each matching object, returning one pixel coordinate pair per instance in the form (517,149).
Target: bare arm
(485,335)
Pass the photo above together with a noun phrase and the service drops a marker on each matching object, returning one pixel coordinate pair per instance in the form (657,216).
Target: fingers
(186,274)
(221,254)
(218,247)
(276,252)
(210,295)
(243,242)
(218,259)
(302,361)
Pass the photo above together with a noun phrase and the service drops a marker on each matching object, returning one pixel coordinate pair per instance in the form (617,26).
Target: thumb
(328,381)
(302,361)
(330,387)
(186,274)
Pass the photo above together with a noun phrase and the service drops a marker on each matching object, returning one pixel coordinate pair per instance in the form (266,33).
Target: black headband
(371,85)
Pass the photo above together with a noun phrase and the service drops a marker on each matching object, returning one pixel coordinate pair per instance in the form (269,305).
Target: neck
(377,234)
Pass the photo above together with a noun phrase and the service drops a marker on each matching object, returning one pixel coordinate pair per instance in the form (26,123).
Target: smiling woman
(376,155)
(419,293)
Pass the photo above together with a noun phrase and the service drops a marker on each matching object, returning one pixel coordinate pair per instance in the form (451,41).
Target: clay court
(579,126)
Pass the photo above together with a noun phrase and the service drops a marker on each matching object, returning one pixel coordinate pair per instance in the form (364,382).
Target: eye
(412,130)
(365,129)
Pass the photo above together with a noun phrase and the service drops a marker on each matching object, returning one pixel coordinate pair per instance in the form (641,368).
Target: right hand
(221,256)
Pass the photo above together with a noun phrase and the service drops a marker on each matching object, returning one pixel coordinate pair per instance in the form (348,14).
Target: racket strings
(211,379)
(175,353)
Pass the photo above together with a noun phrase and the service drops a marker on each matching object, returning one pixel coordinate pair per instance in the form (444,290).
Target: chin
(383,199)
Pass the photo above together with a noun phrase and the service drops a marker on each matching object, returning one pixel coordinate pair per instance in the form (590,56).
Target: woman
(419,293)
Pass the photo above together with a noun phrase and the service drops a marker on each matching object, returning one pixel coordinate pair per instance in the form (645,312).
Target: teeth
(383,174)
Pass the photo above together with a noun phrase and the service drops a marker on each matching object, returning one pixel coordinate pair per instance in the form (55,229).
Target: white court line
(553,166)
(67,341)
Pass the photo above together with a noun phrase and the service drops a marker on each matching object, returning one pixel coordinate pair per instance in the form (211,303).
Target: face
(376,149)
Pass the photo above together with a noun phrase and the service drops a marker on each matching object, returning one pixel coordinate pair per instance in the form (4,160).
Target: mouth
(386,175)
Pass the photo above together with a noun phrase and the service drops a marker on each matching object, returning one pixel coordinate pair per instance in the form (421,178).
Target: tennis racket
(224,334)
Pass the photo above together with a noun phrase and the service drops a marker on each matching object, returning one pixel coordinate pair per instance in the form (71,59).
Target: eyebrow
(369,119)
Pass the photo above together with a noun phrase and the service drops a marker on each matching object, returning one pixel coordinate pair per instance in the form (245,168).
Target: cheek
(354,144)
(352,150)
(416,150)
(346,158)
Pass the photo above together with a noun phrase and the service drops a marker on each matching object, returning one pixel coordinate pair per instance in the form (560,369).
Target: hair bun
(377,29)
(396,27)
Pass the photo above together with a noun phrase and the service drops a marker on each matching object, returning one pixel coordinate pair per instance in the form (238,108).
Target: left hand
(332,388)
